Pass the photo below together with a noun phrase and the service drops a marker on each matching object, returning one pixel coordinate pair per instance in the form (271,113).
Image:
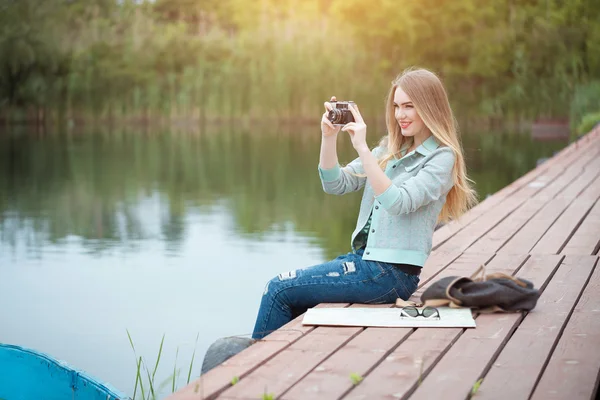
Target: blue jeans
(347,279)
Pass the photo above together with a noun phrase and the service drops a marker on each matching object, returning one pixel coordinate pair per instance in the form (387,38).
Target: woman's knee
(277,283)
(269,287)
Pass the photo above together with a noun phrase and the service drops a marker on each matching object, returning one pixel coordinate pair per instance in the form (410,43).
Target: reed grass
(586,101)
(148,388)
(124,69)
(136,61)
(174,377)
(132,64)
(192,362)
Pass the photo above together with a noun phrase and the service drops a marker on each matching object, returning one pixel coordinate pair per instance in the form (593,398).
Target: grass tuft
(193,357)
(355,378)
(151,389)
(476,386)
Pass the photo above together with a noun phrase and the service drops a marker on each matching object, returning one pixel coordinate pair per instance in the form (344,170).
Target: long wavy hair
(429,98)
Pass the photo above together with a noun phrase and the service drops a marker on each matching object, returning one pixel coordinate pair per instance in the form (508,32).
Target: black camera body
(340,113)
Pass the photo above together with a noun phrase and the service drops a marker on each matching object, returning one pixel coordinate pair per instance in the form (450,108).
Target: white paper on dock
(388,317)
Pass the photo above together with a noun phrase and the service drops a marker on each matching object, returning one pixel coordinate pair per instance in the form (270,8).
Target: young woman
(413,179)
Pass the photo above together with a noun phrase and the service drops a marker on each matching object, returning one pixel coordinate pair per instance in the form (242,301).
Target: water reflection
(101,186)
(172,232)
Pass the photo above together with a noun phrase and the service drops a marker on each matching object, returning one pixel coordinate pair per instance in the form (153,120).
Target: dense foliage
(281,59)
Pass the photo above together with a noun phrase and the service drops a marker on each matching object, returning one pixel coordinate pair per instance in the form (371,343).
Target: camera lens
(335,116)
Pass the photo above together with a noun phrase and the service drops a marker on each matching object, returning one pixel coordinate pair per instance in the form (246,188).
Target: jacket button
(368,252)
(377,207)
(372,230)
(393,166)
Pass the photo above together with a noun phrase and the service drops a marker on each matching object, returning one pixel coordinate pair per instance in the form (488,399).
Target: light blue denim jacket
(405,215)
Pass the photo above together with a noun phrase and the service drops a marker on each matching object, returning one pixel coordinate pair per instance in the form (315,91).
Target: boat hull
(27,374)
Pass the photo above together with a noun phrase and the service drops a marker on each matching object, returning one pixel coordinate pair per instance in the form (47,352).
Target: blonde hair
(430,100)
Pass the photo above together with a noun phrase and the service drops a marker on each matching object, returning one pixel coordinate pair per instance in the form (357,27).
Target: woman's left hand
(357,129)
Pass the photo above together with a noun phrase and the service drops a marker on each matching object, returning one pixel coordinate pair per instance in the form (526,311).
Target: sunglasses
(413,312)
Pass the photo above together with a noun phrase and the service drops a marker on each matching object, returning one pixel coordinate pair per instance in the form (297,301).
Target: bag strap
(480,270)
(495,275)
(406,303)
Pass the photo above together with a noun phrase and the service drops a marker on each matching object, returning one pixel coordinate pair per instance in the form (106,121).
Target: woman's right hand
(327,128)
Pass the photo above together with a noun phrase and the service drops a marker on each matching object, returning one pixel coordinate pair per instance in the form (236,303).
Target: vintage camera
(340,114)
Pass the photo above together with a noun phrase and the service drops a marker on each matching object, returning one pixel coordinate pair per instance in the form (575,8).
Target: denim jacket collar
(428,146)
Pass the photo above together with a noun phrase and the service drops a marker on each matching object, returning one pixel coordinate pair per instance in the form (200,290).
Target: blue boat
(29,375)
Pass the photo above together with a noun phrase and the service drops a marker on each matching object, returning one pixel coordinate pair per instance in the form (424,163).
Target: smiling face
(406,114)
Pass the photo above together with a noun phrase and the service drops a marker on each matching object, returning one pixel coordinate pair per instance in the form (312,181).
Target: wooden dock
(544,227)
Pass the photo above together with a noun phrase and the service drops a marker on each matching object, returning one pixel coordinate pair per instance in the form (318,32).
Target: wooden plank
(563,213)
(572,372)
(454,375)
(560,160)
(514,375)
(454,238)
(587,237)
(403,369)
(452,249)
(559,233)
(437,261)
(278,374)
(331,379)
(556,197)
(240,365)
(385,346)
(466,237)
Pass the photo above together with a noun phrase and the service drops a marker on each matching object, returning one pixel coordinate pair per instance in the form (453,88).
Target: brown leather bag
(495,292)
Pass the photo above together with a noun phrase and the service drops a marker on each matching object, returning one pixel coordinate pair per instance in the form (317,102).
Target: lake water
(174,233)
